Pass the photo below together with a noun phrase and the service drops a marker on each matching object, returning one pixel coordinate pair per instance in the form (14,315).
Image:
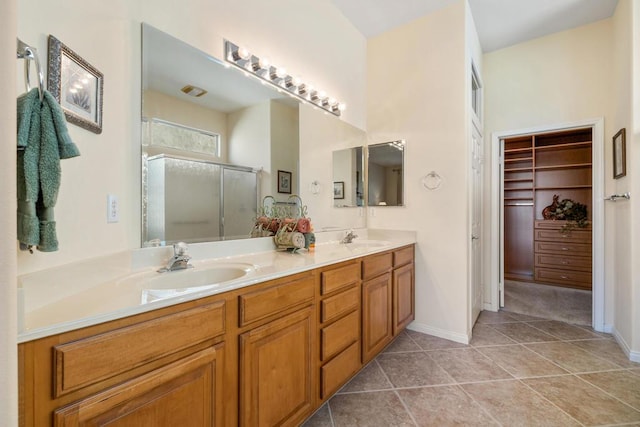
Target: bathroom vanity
(262,353)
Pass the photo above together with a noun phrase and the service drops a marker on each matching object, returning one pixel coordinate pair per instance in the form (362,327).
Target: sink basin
(155,286)
(196,277)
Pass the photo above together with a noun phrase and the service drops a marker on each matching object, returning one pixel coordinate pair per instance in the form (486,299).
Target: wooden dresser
(562,258)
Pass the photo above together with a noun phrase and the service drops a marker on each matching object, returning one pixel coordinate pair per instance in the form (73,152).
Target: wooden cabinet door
(376,315)
(186,393)
(275,372)
(403,298)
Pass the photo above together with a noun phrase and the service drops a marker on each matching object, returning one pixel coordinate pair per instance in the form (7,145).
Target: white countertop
(107,288)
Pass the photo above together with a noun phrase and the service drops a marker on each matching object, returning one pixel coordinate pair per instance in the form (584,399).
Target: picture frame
(76,85)
(284,182)
(619,154)
(338,190)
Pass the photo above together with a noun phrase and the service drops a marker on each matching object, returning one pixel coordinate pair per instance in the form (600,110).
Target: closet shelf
(519,159)
(519,180)
(518,169)
(517,150)
(564,187)
(567,146)
(563,166)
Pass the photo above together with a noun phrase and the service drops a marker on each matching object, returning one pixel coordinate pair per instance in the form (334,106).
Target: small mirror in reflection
(348,178)
(385,172)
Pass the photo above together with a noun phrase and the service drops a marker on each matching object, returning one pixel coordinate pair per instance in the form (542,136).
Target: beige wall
(561,78)
(417,92)
(8,308)
(633,144)
(107,35)
(580,74)
(619,214)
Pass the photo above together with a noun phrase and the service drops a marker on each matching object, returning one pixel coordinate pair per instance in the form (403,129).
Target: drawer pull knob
(565,262)
(565,249)
(564,277)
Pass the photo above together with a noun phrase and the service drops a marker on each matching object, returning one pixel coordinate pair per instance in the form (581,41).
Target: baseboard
(634,356)
(440,333)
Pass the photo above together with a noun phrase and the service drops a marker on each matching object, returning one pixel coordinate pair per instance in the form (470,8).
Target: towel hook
(28,53)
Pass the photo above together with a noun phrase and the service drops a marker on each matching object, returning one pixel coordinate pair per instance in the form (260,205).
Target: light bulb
(281,72)
(342,107)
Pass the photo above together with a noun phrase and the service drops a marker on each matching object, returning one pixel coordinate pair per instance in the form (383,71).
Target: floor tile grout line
(482,408)
(550,402)
(406,408)
(554,362)
(593,353)
(550,333)
(333,423)
(609,394)
(386,377)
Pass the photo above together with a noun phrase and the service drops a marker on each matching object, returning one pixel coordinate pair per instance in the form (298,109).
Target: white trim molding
(496,256)
(440,333)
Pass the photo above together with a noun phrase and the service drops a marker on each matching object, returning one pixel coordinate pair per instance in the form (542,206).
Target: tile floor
(517,371)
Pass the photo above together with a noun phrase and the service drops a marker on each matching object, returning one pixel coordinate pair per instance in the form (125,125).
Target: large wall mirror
(348,177)
(385,172)
(213,141)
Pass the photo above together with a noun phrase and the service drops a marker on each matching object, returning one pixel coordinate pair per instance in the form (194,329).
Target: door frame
(496,271)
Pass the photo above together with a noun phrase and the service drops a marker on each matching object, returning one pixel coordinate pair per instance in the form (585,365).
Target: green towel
(43,140)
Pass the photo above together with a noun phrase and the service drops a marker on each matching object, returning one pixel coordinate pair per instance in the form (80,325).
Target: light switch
(113,214)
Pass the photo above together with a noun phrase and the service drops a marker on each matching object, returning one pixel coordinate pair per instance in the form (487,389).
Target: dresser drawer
(342,303)
(339,278)
(563,248)
(577,279)
(564,262)
(374,265)
(88,361)
(574,236)
(340,335)
(341,368)
(403,256)
(265,302)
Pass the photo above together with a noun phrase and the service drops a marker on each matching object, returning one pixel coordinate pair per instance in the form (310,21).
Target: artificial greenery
(574,213)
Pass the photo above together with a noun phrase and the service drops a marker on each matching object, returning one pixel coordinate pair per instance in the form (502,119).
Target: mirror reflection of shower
(385,169)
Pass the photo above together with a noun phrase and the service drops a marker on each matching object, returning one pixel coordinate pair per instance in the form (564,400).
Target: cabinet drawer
(375,265)
(341,368)
(555,224)
(87,361)
(403,256)
(564,248)
(340,334)
(564,262)
(339,278)
(575,236)
(578,279)
(337,305)
(266,302)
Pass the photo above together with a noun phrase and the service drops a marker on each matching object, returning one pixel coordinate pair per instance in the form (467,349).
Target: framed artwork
(338,190)
(284,182)
(619,154)
(76,85)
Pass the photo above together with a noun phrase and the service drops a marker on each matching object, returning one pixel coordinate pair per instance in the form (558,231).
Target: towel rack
(29,53)
(615,197)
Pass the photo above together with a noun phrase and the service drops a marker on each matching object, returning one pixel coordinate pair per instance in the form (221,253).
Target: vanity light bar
(280,78)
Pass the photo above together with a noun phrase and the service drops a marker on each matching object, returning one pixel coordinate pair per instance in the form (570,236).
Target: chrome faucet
(349,237)
(179,260)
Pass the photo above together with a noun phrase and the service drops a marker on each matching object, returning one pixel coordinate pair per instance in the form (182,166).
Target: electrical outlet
(113,214)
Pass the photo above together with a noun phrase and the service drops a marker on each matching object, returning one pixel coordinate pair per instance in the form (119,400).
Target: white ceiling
(500,23)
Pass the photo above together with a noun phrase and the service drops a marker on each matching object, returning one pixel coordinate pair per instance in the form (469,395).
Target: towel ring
(431,181)
(28,53)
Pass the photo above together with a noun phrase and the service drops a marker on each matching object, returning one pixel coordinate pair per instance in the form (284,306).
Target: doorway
(502,220)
